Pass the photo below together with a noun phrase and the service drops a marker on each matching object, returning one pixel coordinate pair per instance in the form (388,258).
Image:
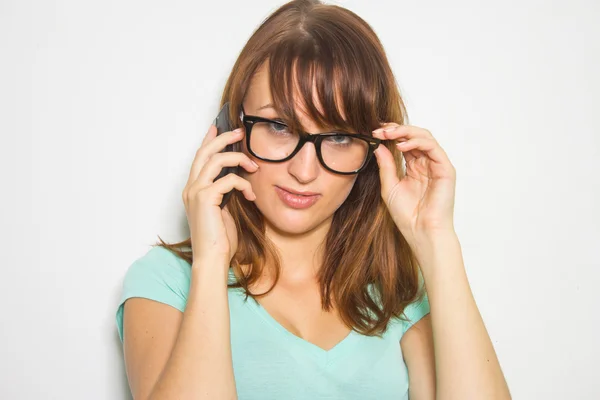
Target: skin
(448,353)
(422,206)
(296,233)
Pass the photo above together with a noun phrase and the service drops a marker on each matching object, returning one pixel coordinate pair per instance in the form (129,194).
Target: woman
(310,283)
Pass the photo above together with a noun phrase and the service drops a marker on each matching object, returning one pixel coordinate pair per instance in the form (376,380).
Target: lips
(292,191)
(297,201)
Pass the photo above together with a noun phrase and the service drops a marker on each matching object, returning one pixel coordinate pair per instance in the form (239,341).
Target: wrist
(433,248)
(432,240)
(210,268)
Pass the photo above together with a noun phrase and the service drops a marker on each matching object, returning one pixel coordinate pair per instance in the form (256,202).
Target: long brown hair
(368,270)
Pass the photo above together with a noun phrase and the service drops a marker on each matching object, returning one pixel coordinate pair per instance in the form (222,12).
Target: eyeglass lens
(275,142)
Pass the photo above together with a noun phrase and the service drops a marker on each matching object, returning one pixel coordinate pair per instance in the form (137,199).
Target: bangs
(308,72)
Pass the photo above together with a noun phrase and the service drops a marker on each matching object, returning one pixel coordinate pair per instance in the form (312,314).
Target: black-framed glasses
(338,152)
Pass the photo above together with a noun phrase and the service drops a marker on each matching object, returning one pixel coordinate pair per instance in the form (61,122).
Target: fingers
(208,163)
(230,182)
(210,135)
(205,187)
(210,145)
(387,168)
(216,162)
(213,194)
(428,146)
(394,131)
(412,138)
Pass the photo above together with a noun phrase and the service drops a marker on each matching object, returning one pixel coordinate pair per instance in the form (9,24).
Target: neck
(301,254)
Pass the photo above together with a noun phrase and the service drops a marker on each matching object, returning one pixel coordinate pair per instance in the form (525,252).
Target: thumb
(387,169)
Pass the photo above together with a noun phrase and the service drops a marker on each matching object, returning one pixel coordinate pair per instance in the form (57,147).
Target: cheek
(335,188)
(262,178)
(338,189)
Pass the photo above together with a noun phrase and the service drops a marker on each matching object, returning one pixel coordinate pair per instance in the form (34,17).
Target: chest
(299,311)
(286,347)
(271,359)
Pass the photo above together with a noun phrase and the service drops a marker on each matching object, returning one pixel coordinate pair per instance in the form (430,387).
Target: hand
(422,203)
(212,229)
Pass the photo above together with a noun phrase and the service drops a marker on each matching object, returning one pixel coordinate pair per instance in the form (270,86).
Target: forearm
(200,365)
(466,364)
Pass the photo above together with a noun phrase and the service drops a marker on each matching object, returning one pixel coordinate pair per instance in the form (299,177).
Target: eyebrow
(268,105)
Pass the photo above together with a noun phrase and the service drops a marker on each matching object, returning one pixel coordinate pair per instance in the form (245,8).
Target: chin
(292,221)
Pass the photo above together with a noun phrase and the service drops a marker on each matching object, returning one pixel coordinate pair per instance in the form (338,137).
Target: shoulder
(162,255)
(159,265)
(413,313)
(158,275)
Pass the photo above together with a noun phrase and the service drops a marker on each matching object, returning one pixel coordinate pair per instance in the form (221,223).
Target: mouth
(297,200)
(297,192)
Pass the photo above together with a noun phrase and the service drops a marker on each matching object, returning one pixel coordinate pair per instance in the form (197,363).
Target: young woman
(310,283)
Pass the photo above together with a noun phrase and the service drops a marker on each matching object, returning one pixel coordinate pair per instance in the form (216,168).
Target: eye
(277,128)
(339,140)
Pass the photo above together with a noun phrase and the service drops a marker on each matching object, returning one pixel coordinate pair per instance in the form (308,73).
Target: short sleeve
(414,312)
(158,275)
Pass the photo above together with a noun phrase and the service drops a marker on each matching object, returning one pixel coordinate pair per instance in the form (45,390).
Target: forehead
(258,97)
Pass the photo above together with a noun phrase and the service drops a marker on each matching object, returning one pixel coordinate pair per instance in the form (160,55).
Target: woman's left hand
(422,203)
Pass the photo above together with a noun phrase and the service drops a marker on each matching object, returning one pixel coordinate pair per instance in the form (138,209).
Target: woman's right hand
(212,229)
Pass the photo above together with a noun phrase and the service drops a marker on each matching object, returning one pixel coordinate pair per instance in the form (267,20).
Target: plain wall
(103,105)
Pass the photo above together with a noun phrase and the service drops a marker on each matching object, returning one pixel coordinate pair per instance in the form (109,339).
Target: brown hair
(369,269)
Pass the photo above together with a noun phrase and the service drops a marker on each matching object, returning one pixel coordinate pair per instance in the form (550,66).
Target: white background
(103,105)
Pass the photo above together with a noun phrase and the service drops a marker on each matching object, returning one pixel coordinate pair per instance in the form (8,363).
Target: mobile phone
(223,125)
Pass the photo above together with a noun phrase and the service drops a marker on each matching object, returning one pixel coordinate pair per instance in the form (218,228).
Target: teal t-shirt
(271,363)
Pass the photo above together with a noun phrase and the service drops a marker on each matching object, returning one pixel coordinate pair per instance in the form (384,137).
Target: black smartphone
(223,125)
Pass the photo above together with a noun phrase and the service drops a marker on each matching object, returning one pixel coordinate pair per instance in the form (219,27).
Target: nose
(304,166)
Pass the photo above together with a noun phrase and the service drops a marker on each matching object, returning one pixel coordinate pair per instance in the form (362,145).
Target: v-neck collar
(322,356)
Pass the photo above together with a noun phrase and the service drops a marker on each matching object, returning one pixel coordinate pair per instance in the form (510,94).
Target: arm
(417,350)
(466,364)
(169,354)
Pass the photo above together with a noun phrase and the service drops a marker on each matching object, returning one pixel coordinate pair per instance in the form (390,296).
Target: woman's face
(302,173)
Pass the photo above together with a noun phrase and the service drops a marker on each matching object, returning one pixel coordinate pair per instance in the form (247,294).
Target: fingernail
(238,130)
(378,130)
(253,163)
(389,129)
